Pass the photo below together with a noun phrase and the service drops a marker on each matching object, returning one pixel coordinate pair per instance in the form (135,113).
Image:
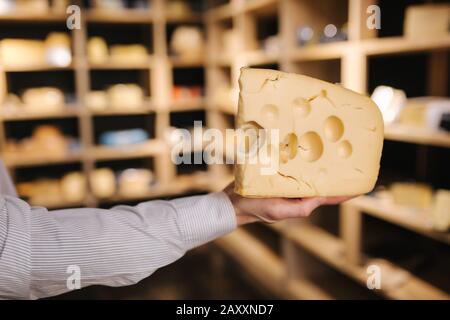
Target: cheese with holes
(330,138)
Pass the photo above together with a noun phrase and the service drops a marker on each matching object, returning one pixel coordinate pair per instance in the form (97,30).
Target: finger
(295,208)
(337,200)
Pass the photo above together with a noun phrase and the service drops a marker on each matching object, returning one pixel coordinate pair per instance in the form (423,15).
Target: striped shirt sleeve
(39,250)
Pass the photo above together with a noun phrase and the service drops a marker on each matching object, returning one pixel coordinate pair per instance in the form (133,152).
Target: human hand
(271,210)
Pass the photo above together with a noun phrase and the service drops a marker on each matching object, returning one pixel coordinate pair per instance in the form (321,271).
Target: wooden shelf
(68,112)
(37,68)
(127,16)
(114,65)
(221,12)
(192,17)
(261,6)
(397,283)
(413,219)
(260,57)
(409,134)
(13,161)
(31,17)
(266,268)
(148,149)
(325,51)
(146,109)
(399,45)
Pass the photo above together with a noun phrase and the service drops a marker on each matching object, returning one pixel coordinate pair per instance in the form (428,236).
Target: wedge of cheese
(330,138)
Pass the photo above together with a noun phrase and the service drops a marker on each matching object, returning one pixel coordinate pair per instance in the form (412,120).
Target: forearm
(122,245)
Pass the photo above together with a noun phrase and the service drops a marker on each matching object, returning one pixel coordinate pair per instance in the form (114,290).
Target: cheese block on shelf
(329,138)
(44,99)
(440,212)
(410,194)
(22,53)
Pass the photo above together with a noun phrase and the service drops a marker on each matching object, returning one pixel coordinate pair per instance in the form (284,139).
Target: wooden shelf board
(398,45)
(28,160)
(68,112)
(192,17)
(260,57)
(222,12)
(325,51)
(120,16)
(147,149)
(123,112)
(114,65)
(416,135)
(413,219)
(37,68)
(261,6)
(33,17)
(265,267)
(396,283)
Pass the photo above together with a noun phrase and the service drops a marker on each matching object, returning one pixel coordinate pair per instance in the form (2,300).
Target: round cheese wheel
(135,182)
(103,183)
(73,187)
(97,50)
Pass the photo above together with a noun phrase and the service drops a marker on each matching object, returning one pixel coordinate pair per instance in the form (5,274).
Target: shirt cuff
(204,218)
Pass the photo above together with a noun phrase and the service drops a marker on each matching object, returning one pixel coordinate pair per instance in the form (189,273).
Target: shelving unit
(157,73)
(346,62)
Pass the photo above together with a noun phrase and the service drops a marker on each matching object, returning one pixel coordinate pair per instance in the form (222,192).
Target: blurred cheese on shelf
(410,194)
(272,45)
(35,6)
(440,212)
(178,8)
(103,182)
(390,101)
(122,138)
(97,50)
(427,20)
(187,43)
(73,187)
(41,100)
(424,112)
(135,182)
(49,140)
(134,53)
(22,53)
(57,49)
(180,93)
(60,5)
(40,192)
(125,96)
(97,100)
(109,4)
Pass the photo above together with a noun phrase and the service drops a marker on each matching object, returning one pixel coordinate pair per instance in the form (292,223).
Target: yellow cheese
(330,138)
(135,53)
(427,20)
(19,53)
(97,50)
(73,187)
(44,99)
(415,195)
(103,182)
(440,213)
(125,96)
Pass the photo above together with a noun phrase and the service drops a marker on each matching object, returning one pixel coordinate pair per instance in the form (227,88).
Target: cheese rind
(330,138)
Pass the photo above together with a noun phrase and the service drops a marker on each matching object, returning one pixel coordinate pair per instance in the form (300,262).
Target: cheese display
(135,53)
(41,100)
(125,96)
(135,182)
(330,138)
(440,212)
(97,50)
(424,112)
(20,53)
(390,101)
(103,182)
(57,49)
(427,20)
(187,43)
(73,187)
(409,194)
